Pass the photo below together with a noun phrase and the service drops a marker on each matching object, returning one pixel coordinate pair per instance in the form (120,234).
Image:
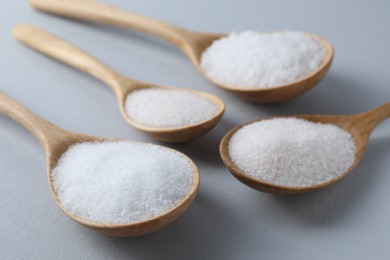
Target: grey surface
(349,220)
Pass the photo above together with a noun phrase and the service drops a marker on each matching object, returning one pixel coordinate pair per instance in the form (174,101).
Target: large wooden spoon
(193,44)
(359,126)
(56,141)
(122,86)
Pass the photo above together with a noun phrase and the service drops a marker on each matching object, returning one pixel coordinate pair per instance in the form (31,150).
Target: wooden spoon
(65,52)
(359,126)
(193,44)
(56,141)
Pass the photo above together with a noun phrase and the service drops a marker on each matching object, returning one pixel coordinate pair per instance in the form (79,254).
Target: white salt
(292,152)
(165,108)
(120,182)
(251,59)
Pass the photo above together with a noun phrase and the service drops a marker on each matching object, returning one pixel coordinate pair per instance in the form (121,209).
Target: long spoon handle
(45,132)
(369,120)
(67,53)
(101,13)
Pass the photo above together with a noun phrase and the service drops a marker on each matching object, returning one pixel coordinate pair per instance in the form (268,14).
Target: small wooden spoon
(56,141)
(193,44)
(359,126)
(65,52)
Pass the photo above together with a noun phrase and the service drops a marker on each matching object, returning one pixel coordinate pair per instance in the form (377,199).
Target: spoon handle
(65,52)
(368,121)
(105,14)
(44,131)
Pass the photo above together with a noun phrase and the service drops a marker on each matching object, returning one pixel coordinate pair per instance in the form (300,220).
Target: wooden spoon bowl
(63,51)
(56,141)
(193,44)
(200,42)
(359,126)
(177,134)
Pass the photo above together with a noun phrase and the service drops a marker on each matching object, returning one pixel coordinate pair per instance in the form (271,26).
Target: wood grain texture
(359,126)
(65,52)
(193,44)
(56,141)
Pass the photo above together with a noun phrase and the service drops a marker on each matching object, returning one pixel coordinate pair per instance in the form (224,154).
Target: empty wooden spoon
(359,126)
(69,54)
(56,141)
(193,44)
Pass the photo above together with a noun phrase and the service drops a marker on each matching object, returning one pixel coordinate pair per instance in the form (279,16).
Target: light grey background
(349,220)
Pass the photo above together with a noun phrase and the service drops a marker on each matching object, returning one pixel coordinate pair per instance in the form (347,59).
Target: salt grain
(120,182)
(292,152)
(164,108)
(251,59)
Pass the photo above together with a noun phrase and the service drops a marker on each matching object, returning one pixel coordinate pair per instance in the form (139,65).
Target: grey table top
(349,220)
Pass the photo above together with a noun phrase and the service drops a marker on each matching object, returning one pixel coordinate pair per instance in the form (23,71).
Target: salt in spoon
(122,86)
(56,141)
(359,126)
(193,44)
